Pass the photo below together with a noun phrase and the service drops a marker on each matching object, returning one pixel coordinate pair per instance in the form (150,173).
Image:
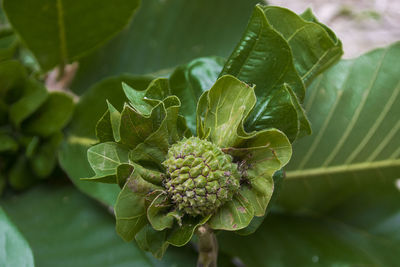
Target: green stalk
(208,247)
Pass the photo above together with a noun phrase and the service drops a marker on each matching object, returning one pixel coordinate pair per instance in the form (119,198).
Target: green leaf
(354,109)
(229,102)
(131,206)
(159,214)
(14,250)
(12,80)
(70,29)
(7,143)
(87,229)
(80,134)
(107,129)
(8,44)
(233,215)
(52,116)
(104,158)
(181,235)
(44,159)
(257,221)
(135,127)
(189,81)
(19,175)
(264,58)
(261,155)
(162,30)
(361,230)
(314,46)
(151,240)
(153,150)
(34,95)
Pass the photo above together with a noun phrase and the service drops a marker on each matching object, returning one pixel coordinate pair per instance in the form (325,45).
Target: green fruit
(200,176)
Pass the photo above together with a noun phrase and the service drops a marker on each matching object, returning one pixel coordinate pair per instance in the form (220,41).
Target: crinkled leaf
(152,240)
(233,215)
(14,250)
(189,81)
(280,112)
(160,214)
(52,115)
(257,221)
(34,95)
(264,58)
(153,150)
(314,46)
(104,158)
(62,23)
(229,101)
(181,235)
(135,127)
(124,171)
(261,155)
(107,128)
(130,208)
(80,134)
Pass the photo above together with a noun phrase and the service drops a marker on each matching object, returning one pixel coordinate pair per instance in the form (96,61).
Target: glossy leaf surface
(160,31)
(354,109)
(70,28)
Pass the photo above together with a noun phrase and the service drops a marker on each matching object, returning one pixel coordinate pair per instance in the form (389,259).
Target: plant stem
(208,247)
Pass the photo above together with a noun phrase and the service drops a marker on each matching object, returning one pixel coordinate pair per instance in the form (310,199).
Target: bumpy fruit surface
(200,176)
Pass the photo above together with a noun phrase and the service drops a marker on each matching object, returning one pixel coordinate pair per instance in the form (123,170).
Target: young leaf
(229,102)
(71,29)
(233,215)
(80,134)
(151,240)
(130,208)
(104,158)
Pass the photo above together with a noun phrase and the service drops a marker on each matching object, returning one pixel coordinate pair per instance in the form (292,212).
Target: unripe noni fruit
(200,176)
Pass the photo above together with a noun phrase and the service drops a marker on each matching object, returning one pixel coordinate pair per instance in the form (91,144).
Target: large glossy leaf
(277,58)
(314,46)
(164,34)
(81,133)
(14,250)
(60,31)
(354,108)
(363,230)
(58,222)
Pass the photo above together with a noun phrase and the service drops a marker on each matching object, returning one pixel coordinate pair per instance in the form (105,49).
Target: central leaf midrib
(62,36)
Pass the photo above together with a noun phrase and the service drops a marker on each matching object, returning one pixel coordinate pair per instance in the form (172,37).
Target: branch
(208,247)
